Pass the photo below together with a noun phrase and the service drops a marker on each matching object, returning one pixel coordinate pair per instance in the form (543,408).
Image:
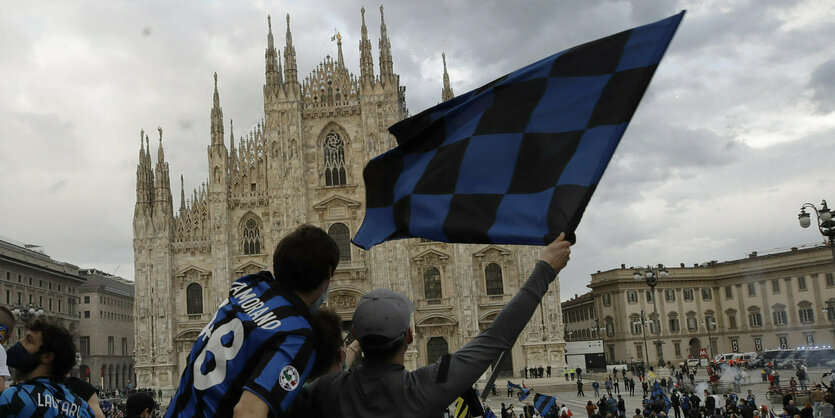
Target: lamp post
(644,332)
(829,310)
(651,276)
(826,225)
(709,323)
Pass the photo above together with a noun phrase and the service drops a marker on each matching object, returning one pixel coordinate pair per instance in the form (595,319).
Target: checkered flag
(517,160)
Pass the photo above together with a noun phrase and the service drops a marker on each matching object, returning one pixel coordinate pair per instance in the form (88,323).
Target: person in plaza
(596,387)
(256,353)
(608,385)
(685,404)
(675,404)
(621,407)
(615,384)
(548,371)
(525,370)
(631,386)
(140,405)
(591,409)
(791,410)
(382,387)
(41,360)
(817,398)
(565,372)
(7,323)
(580,388)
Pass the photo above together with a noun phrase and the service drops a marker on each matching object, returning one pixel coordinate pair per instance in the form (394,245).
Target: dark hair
(305,258)
(57,340)
(327,339)
(381,349)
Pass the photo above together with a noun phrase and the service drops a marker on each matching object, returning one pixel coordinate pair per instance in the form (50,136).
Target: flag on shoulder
(523,393)
(543,403)
(517,160)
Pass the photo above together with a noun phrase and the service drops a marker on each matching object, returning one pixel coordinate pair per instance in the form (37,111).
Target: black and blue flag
(543,403)
(517,160)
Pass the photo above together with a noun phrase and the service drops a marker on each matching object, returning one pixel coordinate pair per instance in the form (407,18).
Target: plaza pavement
(566,392)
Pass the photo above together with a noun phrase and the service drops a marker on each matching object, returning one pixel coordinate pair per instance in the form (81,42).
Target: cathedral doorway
(435,348)
(695,345)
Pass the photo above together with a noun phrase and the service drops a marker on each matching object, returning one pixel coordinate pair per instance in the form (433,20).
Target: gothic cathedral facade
(303,164)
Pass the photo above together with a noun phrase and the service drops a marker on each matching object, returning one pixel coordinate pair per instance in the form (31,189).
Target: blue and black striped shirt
(42,397)
(259,340)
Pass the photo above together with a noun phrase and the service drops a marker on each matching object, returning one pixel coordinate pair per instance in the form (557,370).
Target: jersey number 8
(224,344)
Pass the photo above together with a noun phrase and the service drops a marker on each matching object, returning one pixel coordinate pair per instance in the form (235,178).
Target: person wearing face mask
(41,360)
(7,322)
(255,354)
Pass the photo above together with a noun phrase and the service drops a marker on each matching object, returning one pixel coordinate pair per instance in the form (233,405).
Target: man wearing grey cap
(382,387)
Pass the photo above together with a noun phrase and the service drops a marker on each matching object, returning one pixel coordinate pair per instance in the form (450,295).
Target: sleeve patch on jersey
(288,379)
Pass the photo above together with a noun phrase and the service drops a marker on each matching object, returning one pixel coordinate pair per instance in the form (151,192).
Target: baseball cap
(383,313)
(137,403)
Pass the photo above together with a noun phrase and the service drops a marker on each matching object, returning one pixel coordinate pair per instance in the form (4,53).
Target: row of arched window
(432,289)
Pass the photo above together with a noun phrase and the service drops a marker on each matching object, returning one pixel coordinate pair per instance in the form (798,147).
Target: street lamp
(709,323)
(651,276)
(826,225)
(829,310)
(643,323)
(27,313)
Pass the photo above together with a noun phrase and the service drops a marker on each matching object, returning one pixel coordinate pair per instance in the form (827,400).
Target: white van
(723,358)
(742,359)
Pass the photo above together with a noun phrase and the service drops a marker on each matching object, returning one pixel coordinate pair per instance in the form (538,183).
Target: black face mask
(20,359)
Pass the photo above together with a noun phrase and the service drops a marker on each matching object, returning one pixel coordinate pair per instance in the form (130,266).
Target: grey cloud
(822,84)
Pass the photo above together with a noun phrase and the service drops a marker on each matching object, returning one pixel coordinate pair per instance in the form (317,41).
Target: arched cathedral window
(432,284)
(194,299)
(252,237)
(493,279)
(334,149)
(339,233)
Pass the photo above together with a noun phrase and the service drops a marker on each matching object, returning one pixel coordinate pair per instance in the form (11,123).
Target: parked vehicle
(742,359)
(722,358)
(767,356)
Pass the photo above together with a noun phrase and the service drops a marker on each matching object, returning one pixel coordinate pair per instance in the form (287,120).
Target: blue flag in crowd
(489,414)
(523,394)
(543,403)
(511,385)
(517,160)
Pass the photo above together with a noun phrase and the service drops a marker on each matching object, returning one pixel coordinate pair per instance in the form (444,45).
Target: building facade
(303,164)
(106,330)
(580,316)
(29,278)
(782,299)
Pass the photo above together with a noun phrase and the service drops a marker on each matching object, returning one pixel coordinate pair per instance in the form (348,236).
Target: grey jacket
(389,390)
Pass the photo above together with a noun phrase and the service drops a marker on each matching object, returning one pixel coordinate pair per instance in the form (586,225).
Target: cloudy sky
(736,131)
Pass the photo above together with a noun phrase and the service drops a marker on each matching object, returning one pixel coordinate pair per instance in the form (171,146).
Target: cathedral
(303,164)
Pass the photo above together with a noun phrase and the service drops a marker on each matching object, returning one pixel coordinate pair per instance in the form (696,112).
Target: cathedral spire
(291,75)
(366,61)
(446,93)
(182,195)
(339,60)
(386,67)
(217,118)
(160,152)
(163,186)
(273,69)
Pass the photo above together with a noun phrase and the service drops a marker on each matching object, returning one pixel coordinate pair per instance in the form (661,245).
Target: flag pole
(492,380)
